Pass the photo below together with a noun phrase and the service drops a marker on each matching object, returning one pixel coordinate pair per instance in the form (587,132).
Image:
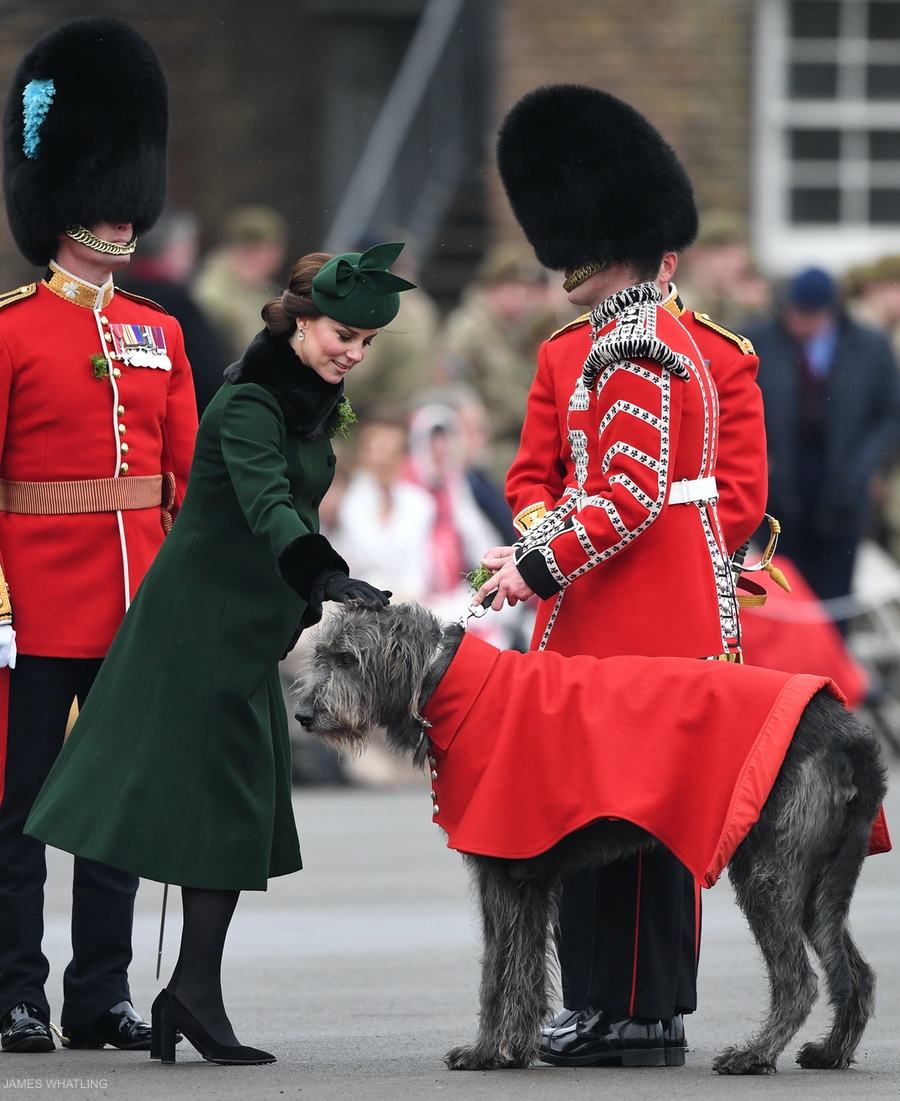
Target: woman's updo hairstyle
(281,314)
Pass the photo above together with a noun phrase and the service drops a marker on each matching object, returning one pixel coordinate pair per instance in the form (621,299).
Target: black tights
(197,978)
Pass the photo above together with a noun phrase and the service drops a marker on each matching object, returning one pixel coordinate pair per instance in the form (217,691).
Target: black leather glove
(341,588)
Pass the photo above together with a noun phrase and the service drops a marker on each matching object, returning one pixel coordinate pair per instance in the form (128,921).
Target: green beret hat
(357,289)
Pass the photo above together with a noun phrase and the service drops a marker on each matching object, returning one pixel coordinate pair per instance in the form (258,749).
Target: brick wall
(240,77)
(685,64)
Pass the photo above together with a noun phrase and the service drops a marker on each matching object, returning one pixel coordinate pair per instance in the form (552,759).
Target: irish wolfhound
(793,872)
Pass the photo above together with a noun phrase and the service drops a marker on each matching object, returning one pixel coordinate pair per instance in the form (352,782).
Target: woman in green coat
(178,767)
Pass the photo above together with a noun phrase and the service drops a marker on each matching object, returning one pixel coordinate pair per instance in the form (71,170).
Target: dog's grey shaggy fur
(794,874)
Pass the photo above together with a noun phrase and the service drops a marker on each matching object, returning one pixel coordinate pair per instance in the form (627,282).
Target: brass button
(116,372)
(433,796)
(435,810)
(108,338)
(124,468)
(120,410)
(121,429)
(434,774)
(123,447)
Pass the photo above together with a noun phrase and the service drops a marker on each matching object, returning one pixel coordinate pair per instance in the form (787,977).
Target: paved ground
(360,971)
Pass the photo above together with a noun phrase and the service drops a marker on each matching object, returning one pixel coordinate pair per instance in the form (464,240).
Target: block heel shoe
(174,1016)
(155,1022)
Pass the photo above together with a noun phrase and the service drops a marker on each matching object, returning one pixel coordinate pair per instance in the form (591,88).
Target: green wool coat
(178,767)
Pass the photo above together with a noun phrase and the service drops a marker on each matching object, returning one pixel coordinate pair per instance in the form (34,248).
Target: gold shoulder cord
(570,325)
(742,342)
(18,294)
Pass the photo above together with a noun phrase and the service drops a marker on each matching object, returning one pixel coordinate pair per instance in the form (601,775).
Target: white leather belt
(700,489)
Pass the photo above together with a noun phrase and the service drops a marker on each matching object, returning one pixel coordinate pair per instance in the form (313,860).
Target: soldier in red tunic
(616,491)
(97,423)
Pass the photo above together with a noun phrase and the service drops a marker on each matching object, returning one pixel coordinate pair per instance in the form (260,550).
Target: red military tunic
(602,448)
(688,750)
(741,459)
(71,576)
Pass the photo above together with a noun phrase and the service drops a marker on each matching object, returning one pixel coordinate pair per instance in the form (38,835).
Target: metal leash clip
(475,611)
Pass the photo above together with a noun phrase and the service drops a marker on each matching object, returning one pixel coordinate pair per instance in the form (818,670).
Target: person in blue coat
(831,394)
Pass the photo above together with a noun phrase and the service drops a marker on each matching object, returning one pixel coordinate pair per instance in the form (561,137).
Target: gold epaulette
(140,298)
(5,605)
(529,516)
(18,294)
(742,342)
(571,325)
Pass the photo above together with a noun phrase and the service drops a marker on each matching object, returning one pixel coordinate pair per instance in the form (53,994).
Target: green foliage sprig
(346,417)
(99,366)
(478,577)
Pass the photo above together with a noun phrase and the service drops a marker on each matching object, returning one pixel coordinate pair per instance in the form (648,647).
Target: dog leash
(474,611)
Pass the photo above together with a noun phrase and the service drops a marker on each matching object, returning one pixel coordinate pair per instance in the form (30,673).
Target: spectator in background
(475,437)
(437,462)
(384,521)
(719,277)
(399,363)
(460,527)
(159,270)
(873,296)
(832,406)
(236,280)
(489,342)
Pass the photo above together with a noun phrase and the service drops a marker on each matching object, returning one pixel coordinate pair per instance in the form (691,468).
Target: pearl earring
(301,335)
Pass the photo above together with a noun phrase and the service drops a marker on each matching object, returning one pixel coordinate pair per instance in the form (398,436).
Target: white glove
(7,646)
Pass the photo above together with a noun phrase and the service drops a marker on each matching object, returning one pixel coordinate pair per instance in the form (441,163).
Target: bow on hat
(339,277)
(357,289)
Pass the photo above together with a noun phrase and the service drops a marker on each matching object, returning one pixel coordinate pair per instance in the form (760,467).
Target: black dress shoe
(24,1028)
(120,1027)
(565,1019)
(674,1041)
(173,1015)
(598,1040)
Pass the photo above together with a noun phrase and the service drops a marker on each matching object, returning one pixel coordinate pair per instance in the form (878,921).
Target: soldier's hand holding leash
(505,585)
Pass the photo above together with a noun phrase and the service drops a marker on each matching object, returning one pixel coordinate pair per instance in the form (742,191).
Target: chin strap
(108,248)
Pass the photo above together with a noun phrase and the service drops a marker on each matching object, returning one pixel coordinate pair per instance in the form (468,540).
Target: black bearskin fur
(590,180)
(102,154)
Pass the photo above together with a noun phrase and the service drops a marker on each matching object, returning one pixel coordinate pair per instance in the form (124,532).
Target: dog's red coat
(529,747)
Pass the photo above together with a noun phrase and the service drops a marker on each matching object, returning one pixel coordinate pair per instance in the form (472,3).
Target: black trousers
(629,938)
(40,696)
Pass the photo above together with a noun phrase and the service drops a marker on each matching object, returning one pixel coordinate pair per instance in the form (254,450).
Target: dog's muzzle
(305,718)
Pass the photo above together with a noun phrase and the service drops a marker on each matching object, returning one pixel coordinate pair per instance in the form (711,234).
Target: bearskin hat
(590,180)
(84,134)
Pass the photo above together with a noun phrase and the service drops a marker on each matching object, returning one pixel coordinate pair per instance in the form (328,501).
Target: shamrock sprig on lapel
(100,366)
(346,417)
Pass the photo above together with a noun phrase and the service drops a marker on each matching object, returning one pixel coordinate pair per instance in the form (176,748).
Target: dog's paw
(817,1056)
(738,1061)
(477,1057)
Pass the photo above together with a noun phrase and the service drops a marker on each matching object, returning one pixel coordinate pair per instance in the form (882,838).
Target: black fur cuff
(536,574)
(304,559)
